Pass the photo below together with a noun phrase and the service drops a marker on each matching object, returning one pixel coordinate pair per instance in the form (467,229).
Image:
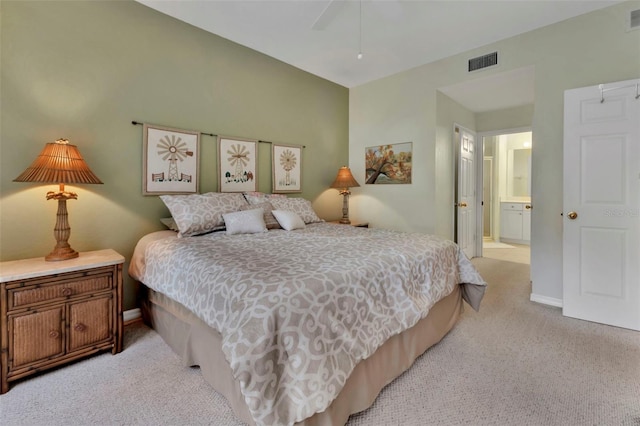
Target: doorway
(506,188)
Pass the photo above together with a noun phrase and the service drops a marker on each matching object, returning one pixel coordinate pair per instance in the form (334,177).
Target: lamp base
(62,250)
(61,253)
(345,207)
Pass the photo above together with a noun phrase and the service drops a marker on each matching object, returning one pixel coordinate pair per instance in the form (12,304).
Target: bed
(302,326)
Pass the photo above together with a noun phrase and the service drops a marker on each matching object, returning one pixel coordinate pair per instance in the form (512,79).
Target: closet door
(601,218)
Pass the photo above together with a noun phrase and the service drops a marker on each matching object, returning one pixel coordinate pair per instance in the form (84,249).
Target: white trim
(506,131)
(131,314)
(545,300)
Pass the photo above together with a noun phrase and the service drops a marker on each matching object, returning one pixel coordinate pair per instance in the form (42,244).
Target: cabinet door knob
(54,334)
(79,327)
(66,291)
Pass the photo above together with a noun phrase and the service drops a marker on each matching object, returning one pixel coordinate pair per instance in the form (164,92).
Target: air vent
(634,19)
(483,61)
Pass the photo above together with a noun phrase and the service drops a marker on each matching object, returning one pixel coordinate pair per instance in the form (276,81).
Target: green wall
(85,70)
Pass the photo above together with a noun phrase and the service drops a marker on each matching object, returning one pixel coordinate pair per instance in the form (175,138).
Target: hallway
(518,253)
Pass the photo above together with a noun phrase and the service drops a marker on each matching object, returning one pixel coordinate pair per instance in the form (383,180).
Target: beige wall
(448,112)
(85,70)
(586,50)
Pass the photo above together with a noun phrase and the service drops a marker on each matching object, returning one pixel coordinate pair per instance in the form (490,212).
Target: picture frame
(286,167)
(389,164)
(170,161)
(237,164)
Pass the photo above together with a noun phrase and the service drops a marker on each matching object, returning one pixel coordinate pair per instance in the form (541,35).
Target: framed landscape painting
(237,164)
(388,164)
(170,161)
(286,168)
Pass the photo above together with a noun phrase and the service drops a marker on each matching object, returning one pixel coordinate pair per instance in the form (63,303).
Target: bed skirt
(197,344)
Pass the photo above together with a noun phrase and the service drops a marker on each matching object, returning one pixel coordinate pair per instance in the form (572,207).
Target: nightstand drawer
(67,286)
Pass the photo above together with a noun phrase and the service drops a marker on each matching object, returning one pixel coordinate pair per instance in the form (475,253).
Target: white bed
(303,326)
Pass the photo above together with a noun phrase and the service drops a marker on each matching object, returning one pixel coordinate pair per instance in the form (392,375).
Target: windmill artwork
(286,168)
(171,162)
(237,164)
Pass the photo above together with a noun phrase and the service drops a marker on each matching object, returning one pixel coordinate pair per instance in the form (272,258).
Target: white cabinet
(515,222)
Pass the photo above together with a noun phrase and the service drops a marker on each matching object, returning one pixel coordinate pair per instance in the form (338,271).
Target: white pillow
(300,206)
(245,222)
(269,219)
(288,220)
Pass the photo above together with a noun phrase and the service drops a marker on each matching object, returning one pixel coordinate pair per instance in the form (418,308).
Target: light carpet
(496,245)
(513,363)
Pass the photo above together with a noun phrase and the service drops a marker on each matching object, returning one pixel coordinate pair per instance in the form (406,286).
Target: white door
(601,218)
(487,197)
(466,191)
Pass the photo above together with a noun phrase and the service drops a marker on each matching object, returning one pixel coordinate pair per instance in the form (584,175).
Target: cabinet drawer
(65,288)
(512,206)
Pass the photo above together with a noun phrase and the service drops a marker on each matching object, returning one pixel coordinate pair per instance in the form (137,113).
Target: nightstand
(357,225)
(54,313)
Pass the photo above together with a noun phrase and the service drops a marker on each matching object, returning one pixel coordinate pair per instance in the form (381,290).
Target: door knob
(528,206)
(572,215)
(462,204)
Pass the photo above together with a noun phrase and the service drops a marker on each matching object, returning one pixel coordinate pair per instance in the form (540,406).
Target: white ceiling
(323,36)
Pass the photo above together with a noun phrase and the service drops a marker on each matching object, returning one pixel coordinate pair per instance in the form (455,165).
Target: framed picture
(171,162)
(388,164)
(287,168)
(237,164)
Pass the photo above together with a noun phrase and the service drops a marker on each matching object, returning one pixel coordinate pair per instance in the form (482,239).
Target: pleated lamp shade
(59,162)
(344,179)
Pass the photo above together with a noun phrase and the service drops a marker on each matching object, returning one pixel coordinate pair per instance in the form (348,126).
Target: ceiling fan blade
(328,14)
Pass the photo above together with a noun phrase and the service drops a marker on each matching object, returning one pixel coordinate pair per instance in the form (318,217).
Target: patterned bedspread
(298,310)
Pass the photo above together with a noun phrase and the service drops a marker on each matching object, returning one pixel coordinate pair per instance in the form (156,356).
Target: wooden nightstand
(56,312)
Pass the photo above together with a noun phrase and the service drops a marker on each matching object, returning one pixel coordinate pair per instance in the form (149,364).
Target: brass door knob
(462,204)
(528,206)
(572,215)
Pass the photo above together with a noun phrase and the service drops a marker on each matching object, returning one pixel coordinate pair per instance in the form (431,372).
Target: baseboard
(551,301)
(131,315)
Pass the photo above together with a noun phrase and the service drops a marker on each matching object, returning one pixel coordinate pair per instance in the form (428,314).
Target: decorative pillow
(169,223)
(201,213)
(245,222)
(298,205)
(269,219)
(260,197)
(288,220)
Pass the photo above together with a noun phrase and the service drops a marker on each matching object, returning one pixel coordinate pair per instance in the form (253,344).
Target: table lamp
(60,162)
(343,182)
